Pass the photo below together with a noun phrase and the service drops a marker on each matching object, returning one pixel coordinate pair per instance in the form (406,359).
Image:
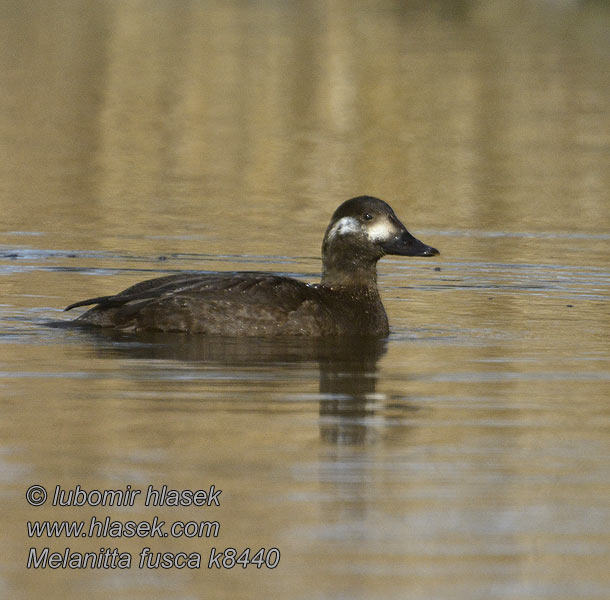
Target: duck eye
(368,216)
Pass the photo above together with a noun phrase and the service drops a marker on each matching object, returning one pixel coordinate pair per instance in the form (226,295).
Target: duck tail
(98,300)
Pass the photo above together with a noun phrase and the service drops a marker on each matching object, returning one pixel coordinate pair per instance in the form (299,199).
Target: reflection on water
(348,367)
(466,456)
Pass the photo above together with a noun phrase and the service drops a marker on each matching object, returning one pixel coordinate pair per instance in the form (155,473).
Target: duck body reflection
(346,368)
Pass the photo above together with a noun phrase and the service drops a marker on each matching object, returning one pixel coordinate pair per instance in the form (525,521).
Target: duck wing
(159,287)
(240,303)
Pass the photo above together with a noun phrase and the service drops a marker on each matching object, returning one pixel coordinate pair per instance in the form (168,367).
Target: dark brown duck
(345,302)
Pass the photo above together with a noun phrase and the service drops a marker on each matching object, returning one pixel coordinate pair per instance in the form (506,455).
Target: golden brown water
(467,456)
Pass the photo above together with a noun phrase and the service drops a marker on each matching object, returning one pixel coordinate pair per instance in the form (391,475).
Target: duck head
(360,232)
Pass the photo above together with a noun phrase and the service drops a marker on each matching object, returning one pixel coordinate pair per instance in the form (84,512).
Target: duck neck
(354,273)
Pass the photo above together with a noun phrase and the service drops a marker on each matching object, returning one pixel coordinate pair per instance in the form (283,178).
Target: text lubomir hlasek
(163,496)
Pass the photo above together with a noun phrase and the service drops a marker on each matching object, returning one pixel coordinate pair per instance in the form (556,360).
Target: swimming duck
(346,301)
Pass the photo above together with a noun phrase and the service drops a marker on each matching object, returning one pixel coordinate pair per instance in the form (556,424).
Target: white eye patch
(345,226)
(382,230)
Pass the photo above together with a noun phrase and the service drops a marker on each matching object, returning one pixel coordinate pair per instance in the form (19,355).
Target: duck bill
(407,245)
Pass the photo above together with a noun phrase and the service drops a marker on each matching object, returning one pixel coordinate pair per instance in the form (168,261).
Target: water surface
(464,457)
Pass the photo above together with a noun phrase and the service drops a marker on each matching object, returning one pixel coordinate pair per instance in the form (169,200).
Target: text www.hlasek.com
(107,527)
(126,529)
